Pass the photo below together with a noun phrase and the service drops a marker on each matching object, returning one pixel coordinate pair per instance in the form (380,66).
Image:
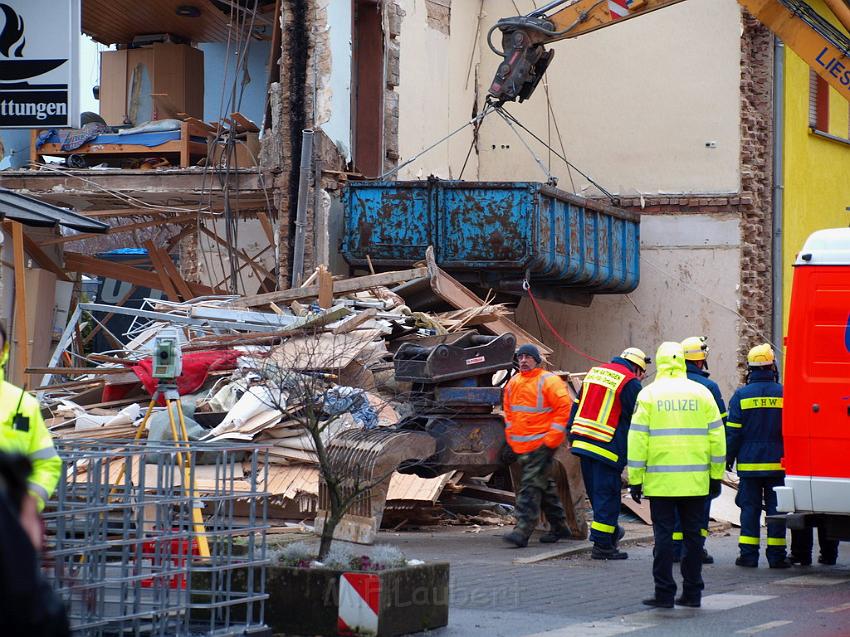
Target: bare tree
(319,380)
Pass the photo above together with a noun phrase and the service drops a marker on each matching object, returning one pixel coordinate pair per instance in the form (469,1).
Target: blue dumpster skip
(495,234)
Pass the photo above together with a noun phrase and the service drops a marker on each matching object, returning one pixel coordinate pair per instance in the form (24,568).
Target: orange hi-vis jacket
(537,406)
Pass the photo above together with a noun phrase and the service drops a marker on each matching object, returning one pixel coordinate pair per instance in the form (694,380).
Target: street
(493,595)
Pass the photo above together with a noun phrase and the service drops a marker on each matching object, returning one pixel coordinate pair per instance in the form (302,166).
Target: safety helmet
(760,356)
(695,348)
(636,356)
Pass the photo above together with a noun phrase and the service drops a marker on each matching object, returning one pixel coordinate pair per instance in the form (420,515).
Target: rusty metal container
(494,233)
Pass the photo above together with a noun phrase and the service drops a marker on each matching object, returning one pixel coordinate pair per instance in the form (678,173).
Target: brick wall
(756,184)
(393,15)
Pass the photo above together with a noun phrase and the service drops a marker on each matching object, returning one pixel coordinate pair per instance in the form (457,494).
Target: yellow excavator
(808,33)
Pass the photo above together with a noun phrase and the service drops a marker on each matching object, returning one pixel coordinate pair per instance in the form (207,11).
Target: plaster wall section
(213,266)
(647,106)
(439,85)
(689,287)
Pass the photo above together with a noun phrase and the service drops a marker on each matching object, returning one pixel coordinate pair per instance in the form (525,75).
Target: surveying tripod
(168,392)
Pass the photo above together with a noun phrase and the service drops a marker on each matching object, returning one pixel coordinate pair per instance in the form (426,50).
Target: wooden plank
(128,227)
(339,287)
(21,344)
(159,268)
(244,123)
(76,262)
(39,255)
(267,226)
(641,510)
(461,297)
(489,494)
(353,322)
(326,288)
(174,274)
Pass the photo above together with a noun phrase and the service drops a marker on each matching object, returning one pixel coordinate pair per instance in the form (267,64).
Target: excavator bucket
(364,461)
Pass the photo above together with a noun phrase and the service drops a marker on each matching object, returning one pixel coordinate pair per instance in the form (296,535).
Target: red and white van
(816,409)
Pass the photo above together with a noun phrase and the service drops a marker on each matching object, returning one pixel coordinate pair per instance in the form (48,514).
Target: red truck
(816,409)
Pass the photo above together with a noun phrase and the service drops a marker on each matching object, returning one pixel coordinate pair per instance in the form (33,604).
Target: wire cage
(128,553)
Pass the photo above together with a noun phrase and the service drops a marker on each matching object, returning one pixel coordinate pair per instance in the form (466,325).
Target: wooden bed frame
(185,147)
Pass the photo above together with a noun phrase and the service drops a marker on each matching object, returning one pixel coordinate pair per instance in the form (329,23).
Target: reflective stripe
(639,428)
(39,490)
(677,468)
(759,466)
(734,425)
(559,427)
(581,444)
(596,425)
(43,454)
(530,410)
(776,541)
(590,433)
(677,431)
(718,459)
(637,464)
(527,438)
(678,535)
(724,414)
(605,528)
(715,424)
(762,402)
(748,539)
(703,532)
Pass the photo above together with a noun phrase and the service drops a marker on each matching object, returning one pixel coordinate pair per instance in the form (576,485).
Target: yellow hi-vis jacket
(676,439)
(22,431)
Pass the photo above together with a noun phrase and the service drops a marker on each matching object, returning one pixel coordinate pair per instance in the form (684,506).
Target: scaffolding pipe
(301,211)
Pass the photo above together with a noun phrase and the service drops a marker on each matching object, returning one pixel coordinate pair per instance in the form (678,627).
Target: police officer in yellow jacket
(676,457)
(22,431)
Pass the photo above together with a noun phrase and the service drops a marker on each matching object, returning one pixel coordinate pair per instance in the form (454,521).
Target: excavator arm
(524,59)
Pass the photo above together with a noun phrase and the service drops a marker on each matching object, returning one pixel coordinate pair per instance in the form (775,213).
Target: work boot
(690,603)
(706,558)
(517,538)
(607,553)
(783,563)
(827,561)
(658,603)
(554,534)
(800,561)
(742,561)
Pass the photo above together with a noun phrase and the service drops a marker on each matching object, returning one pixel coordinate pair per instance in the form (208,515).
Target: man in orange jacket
(536,406)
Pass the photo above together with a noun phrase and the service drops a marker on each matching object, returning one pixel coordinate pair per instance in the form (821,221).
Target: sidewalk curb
(578,549)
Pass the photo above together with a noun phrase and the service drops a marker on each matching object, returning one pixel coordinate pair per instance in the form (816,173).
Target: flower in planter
(297,554)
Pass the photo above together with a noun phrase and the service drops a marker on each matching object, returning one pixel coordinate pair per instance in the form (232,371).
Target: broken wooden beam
(339,287)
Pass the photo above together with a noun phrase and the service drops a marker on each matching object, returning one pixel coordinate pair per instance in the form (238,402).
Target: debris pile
(260,369)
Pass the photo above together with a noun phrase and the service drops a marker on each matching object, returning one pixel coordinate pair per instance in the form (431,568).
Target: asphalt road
(493,594)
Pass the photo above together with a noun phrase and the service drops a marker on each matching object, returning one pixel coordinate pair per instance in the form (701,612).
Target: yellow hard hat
(636,356)
(695,348)
(760,356)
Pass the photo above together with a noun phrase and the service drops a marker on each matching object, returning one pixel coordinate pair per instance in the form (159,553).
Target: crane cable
(539,313)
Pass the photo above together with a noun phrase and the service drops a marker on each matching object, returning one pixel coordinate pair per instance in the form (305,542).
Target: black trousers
(663,511)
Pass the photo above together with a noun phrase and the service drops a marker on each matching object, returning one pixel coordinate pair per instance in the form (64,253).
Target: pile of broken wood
(245,359)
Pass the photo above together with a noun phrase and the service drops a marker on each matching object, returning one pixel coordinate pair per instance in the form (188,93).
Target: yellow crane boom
(822,45)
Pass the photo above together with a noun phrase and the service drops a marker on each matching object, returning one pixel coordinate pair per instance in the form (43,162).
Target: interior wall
(219,75)
(689,287)
(648,106)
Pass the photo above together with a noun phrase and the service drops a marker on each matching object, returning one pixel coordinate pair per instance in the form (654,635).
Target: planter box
(318,601)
